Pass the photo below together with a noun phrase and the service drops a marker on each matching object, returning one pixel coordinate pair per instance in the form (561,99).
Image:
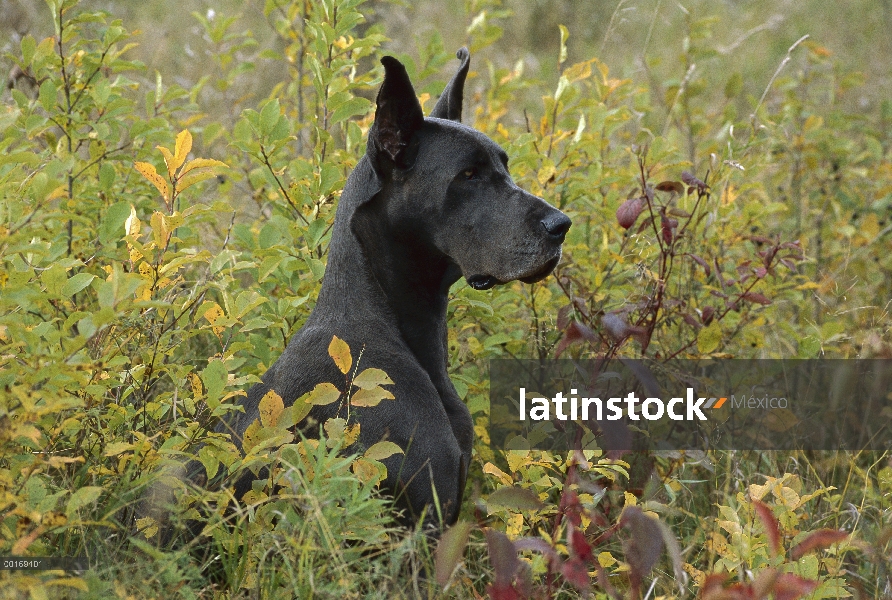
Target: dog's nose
(556,225)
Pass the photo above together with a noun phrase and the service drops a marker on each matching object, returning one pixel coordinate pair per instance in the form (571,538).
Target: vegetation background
(730,185)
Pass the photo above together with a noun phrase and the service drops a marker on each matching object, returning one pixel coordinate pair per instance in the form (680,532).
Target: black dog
(430,202)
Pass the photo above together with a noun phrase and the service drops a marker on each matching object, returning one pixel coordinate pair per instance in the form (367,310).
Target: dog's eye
(470,173)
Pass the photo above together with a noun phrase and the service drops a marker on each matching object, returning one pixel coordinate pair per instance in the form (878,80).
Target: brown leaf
(628,212)
(821,538)
(707,314)
(671,186)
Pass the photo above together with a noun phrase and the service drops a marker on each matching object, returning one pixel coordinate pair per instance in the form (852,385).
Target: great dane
(430,202)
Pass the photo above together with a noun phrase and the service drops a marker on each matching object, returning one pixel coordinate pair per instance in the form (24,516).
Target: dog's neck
(378,276)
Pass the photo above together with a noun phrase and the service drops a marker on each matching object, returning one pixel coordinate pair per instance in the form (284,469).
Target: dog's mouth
(485,282)
(542,273)
(482,282)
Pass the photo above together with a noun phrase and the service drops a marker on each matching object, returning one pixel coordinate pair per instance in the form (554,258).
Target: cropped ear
(449,104)
(398,116)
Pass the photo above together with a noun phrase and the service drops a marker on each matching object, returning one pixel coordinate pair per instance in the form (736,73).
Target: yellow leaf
(160,232)
(339,351)
(195,383)
(147,526)
(168,160)
(371,378)
(202,163)
(631,499)
(251,437)
(132,224)
(368,471)
(182,149)
(214,314)
(497,472)
(372,397)
(148,171)
(382,450)
(187,181)
(271,407)
(605,559)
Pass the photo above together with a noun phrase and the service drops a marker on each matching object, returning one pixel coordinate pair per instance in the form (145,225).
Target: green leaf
(214,377)
(322,394)
(515,498)
(29,45)
(269,116)
(77,283)
(47,95)
(709,338)
(82,497)
(450,550)
(350,108)
(382,450)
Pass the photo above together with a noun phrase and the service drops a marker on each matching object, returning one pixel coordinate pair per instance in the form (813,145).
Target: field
(168,181)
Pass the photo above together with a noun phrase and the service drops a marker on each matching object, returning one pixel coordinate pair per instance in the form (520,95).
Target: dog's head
(449,186)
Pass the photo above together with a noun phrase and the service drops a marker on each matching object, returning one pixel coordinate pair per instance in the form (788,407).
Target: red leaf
(579,545)
(771,525)
(628,212)
(503,556)
(757,298)
(616,327)
(563,316)
(503,592)
(575,571)
(761,272)
(821,538)
(790,587)
(538,545)
(702,263)
(666,228)
(575,331)
(707,314)
(689,179)
(570,506)
(671,186)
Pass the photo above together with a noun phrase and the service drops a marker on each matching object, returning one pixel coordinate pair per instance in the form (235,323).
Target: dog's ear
(398,115)
(449,104)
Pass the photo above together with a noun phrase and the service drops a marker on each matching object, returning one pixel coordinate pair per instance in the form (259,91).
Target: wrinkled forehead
(456,142)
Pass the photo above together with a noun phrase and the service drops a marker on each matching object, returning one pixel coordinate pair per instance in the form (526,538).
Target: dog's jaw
(485,282)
